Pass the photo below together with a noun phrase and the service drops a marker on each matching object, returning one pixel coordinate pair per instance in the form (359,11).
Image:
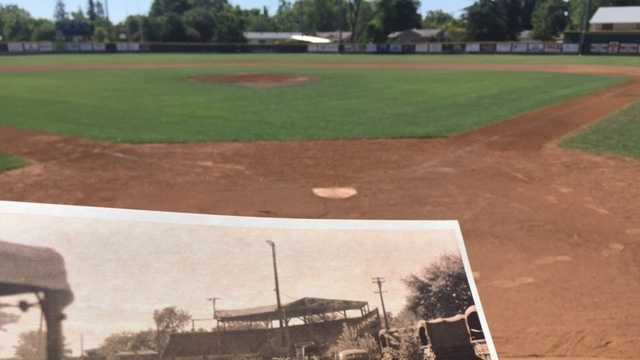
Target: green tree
(100,11)
(485,21)
(550,19)
(394,15)
(60,11)
(168,321)
(440,289)
(202,23)
(128,341)
(91,10)
(437,19)
(43,30)
(15,23)
(31,346)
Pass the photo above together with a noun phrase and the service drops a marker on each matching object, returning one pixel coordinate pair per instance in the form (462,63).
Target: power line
(379,281)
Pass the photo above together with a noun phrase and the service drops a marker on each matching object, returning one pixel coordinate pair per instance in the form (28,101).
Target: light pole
(282,321)
(585,26)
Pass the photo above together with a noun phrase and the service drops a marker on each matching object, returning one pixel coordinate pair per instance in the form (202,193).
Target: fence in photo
(529,47)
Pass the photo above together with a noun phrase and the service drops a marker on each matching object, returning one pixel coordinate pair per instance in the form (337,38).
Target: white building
(620,19)
(268,38)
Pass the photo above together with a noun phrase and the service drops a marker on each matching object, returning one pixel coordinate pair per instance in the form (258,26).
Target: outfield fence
(531,47)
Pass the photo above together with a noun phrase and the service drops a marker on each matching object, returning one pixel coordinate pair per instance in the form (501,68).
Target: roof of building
(137,353)
(28,268)
(427,33)
(334,34)
(616,15)
(303,307)
(253,35)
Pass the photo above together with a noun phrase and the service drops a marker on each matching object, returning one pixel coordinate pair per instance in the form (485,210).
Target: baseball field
(535,155)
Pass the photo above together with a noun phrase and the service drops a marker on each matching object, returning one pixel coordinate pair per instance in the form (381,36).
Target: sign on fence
(86,47)
(536,48)
(395,48)
(627,48)
(422,48)
(599,48)
(99,47)
(15,47)
(570,48)
(520,48)
(45,46)
(372,48)
(488,48)
(72,47)
(503,48)
(553,48)
(473,48)
(435,48)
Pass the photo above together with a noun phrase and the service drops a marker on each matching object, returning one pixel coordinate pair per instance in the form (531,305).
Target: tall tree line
(366,20)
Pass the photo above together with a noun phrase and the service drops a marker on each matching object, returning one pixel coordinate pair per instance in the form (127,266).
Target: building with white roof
(620,19)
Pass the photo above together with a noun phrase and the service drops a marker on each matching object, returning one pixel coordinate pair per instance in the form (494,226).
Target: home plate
(335,193)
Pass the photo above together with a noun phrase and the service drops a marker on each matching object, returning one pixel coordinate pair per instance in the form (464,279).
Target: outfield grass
(618,134)
(164,106)
(318,58)
(8,162)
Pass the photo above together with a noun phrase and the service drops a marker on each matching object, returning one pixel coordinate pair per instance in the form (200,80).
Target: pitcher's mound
(258,81)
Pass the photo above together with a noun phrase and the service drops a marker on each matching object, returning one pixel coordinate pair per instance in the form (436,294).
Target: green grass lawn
(8,162)
(164,106)
(618,134)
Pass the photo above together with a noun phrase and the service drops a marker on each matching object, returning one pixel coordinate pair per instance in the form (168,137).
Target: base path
(553,234)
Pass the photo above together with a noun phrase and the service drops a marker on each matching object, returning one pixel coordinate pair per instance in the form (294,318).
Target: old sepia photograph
(82,283)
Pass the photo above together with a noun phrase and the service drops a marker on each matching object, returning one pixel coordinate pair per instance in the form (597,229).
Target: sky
(121,271)
(119,9)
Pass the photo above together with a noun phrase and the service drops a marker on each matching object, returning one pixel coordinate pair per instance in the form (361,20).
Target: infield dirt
(553,234)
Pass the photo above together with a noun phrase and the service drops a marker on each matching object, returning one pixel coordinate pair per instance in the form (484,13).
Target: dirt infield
(554,235)
(256,81)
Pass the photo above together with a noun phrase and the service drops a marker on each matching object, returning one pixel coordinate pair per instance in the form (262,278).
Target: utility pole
(379,281)
(213,305)
(282,321)
(106,8)
(585,26)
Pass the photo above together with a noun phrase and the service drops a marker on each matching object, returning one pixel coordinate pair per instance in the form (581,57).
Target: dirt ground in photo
(553,234)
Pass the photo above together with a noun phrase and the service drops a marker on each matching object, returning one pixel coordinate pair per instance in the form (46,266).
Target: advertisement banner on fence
(488,48)
(328,48)
(312,48)
(627,48)
(454,48)
(86,47)
(520,48)
(503,48)
(599,48)
(472,48)
(395,48)
(614,47)
(570,48)
(135,47)
(553,48)
(422,48)
(372,48)
(536,48)
(31,47)
(122,46)
(435,48)
(15,47)
(100,47)
(72,47)
(45,46)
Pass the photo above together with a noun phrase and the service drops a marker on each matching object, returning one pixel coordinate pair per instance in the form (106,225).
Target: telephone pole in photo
(585,26)
(379,281)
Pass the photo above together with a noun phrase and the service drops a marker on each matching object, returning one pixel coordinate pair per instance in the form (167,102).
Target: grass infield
(618,134)
(162,105)
(9,162)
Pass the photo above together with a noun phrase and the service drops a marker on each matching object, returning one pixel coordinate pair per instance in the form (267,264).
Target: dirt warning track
(554,235)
